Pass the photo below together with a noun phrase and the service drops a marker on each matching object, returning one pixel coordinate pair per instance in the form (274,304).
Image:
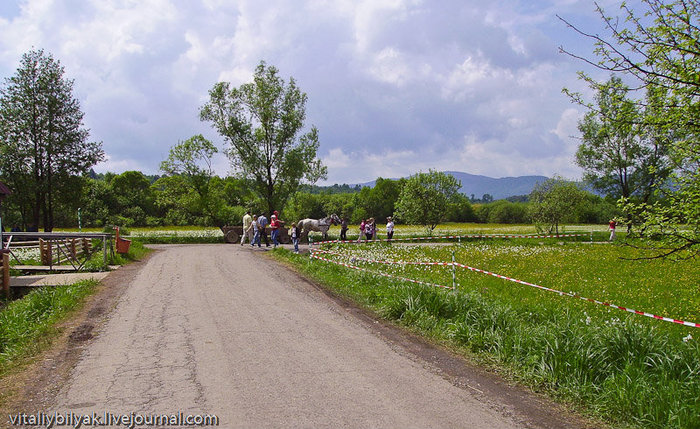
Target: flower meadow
(625,369)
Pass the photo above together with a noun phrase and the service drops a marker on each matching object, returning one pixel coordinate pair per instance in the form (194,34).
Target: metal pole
(80,227)
(454,272)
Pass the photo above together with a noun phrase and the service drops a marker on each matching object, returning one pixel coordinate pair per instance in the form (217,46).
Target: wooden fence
(58,251)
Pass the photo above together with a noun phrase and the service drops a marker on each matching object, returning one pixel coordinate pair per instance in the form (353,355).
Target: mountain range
(498,188)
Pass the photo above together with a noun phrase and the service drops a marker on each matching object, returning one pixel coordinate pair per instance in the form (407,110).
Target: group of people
(254,229)
(368,229)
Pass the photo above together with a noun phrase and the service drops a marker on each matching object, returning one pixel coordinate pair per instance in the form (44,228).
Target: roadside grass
(27,325)
(625,369)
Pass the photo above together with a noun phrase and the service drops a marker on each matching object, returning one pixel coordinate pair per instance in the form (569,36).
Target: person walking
(344,229)
(275,224)
(247,230)
(611,226)
(295,237)
(362,231)
(256,232)
(389,228)
(262,221)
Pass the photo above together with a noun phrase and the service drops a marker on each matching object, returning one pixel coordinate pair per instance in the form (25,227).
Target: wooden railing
(57,249)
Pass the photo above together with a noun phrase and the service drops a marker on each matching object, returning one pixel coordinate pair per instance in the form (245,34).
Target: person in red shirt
(612,224)
(275,225)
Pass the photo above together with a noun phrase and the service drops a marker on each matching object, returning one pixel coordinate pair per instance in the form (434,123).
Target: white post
(454,273)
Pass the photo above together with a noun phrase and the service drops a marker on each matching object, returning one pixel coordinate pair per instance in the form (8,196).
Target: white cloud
(394,86)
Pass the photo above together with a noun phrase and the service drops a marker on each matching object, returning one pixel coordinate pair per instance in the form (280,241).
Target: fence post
(454,273)
(6,274)
(104,249)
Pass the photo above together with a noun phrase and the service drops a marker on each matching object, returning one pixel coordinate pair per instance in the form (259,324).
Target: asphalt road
(223,330)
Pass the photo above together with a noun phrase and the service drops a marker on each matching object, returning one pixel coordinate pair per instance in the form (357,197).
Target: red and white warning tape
(569,294)
(313,255)
(445,237)
(573,295)
(374,261)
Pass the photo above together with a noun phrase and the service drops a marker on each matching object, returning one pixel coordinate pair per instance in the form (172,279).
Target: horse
(318,225)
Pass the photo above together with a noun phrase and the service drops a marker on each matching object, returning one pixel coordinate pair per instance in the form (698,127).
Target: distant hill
(500,188)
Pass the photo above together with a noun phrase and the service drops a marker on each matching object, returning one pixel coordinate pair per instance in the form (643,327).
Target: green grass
(27,324)
(623,368)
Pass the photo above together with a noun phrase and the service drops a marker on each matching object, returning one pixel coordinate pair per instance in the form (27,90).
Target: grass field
(623,368)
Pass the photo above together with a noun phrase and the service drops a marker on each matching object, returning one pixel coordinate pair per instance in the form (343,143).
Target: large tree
(263,122)
(552,201)
(42,138)
(658,45)
(191,186)
(620,153)
(425,198)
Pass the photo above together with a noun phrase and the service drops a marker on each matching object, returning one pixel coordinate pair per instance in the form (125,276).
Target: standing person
(389,228)
(611,226)
(368,229)
(275,225)
(344,229)
(362,231)
(247,230)
(256,232)
(295,237)
(262,221)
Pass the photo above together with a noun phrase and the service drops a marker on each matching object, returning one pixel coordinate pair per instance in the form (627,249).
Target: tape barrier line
(572,295)
(314,256)
(445,237)
(374,261)
(561,293)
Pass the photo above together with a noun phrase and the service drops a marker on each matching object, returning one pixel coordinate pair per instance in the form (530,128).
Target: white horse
(318,225)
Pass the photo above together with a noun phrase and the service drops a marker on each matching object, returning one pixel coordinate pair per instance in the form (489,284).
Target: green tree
(620,154)
(658,45)
(192,186)
(262,122)
(132,198)
(42,138)
(552,201)
(425,197)
(96,201)
(503,211)
(461,210)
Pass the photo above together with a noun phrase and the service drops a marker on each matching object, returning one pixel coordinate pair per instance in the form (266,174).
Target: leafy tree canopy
(262,121)
(424,198)
(658,45)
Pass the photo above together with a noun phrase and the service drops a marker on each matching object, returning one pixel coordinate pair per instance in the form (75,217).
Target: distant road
(221,329)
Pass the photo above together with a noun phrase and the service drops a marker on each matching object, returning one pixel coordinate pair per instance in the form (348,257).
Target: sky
(394,86)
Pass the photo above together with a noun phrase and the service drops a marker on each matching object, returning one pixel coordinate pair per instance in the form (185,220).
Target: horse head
(335,220)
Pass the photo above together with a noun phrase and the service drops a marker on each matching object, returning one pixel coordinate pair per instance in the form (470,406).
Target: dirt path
(221,329)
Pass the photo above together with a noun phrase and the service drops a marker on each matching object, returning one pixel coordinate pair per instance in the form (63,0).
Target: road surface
(223,330)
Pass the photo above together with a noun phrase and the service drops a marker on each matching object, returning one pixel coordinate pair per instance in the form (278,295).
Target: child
(362,231)
(295,237)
